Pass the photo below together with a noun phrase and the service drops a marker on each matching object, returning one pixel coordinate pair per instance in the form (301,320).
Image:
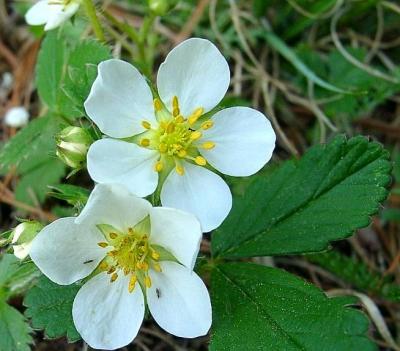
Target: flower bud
(159,7)
(22,237)
(72,146)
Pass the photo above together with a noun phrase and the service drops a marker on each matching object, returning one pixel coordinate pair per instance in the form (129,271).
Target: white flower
(51,13)
(130,251)
(16,117)
(171,140)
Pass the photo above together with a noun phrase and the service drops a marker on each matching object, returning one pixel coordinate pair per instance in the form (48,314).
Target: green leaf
(74,195)
(280,46)
(33,184)
(49,306)
(50,69)
(263,308)
(303,205)
(16,277)
(82,71)
(14,331)
(31,144)
(32,151)
(357,274)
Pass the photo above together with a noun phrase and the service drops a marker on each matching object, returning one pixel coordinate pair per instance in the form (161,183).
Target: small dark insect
(88,261)
(158,292)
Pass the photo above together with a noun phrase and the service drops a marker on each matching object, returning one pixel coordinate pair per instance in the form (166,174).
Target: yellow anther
(111,270)
(182,153)
(155,255)
(114,277)
(139,265)
(163,125)
(157,104)
(176,112)
(195,115)
(132,283)
(170,128)
(207,124)
(102,244)
(208,145)
(195,135)
(158,167)
(147,281)
(145,266)
(201,161)
(126,271)
(146,125)
(180,170)
(145,142)
(175,106)
(179,119)
(163,147)
(113,235)
(156,267)
(103,266)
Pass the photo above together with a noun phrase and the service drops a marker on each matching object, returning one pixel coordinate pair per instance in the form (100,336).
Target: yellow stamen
(156,267)
(145,266)
(207,124)
(158,167)
(145,142)
(103,266)
(139,265)
(126,271)
(180,170)
(195,135)
(114,277)
(179,119)
(146,125)
(208,145)
(102,244)
(170,128)
(111,270)
(147,281)
(157,104)
(195,115)
(163,125)
(163,147)
(175,106)
(182,153)
(132,283)
(155,255)
(201,161)
(113,235)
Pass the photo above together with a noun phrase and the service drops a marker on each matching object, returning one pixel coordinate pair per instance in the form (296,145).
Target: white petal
(198,191)
(244,141)
(114,205)
(16,117)
(116,161)
(22,251)
(177,231)
(197,73)
(38,14)
(105,314)
(120,99)
(179,301)
(59,14)
(66,252)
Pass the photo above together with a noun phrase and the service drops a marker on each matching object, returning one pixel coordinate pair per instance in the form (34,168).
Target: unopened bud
(72,146)
(22,237)
(159,7)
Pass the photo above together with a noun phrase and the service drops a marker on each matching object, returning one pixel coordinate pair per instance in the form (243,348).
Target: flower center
(129,253)
(176,137)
